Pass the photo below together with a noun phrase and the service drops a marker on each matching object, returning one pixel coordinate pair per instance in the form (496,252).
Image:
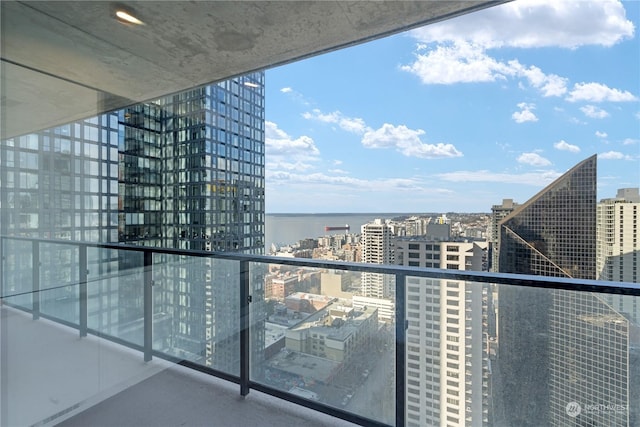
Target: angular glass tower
(558,348)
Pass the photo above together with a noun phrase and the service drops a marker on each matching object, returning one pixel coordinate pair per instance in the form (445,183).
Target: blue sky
(458,115)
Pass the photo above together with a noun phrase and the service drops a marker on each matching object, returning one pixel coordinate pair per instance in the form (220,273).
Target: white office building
(617,247)
(447,360)
(376,243)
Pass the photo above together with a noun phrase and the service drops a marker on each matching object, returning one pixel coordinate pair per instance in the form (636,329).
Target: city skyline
(455,117)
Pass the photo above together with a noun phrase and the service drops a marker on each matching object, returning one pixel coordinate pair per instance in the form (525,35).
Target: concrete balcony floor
(179,396)
(50,376)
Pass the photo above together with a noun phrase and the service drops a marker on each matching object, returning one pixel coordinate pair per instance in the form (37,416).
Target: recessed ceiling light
(127,17)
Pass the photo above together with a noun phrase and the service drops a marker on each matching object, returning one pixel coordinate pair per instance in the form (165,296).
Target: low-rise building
(335,333)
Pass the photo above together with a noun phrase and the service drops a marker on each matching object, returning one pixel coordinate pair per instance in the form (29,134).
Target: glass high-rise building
(559,348)
(192,169)
(185,171)
(192,177)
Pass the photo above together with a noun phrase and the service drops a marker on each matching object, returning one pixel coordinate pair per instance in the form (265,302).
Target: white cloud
(601,134)
(614,155)
(298,166)
(350,124)
(548,84)
(525,115)
(407,141)
(337,162)
(285,152)
(281,176)
(630,141)
(454,51)
(565,146)
(594,112)
(533,159)
(278,142)
(598,92)
(295,96)
(530,178)
(536,23)
(339,171)
(463,62)
(393,185)
(458,63)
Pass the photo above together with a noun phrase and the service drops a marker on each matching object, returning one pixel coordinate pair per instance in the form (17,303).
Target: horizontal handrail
(525,280)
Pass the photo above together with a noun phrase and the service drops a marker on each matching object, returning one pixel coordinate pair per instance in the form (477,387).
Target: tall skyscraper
(447,359)
(211,188)
(376,243)
(185,171)
(618,249)
(498,212)
(556,347)
(617,232)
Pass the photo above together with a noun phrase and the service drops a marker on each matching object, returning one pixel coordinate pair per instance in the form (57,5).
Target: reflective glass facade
(185,171)
(192,169)
(555,346)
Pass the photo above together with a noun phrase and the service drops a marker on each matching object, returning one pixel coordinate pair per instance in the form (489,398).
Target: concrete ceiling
(64,61)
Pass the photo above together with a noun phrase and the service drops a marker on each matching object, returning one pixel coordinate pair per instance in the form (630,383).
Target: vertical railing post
(4,344)
(2,267)
(82,276)
(35,277)
(148,305)
(401,333)
(245,353)
(4,368)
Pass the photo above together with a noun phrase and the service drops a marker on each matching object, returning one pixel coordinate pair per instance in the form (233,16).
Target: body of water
(285,229)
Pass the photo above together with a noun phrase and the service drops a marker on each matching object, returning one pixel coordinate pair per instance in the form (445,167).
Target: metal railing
(243,284)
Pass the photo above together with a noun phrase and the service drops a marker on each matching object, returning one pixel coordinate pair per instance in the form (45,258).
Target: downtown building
(183,172)
(447,341)
(618,250)
(556,347)
(498,212)
(617,232)
(376,244)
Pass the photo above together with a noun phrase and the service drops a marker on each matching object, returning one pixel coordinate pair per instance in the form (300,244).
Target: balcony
(105,334)
(55,378)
